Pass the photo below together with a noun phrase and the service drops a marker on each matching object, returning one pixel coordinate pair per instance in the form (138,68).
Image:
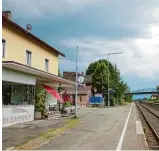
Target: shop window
(28,57)
(6,97)
(18,94)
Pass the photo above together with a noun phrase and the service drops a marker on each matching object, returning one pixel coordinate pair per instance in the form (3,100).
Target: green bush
(113,101)
(123,102)
(40,102)
(67,104)
(156,101)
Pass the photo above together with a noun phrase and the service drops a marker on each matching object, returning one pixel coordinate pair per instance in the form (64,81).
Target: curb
(139,119)
(10,148)
(46,137)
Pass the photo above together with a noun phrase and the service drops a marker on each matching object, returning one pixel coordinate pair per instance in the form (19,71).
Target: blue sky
(98,27)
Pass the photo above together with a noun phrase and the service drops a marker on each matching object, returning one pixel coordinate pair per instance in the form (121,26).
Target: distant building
(72,76)
(88,80)
(154,97)
(83,94)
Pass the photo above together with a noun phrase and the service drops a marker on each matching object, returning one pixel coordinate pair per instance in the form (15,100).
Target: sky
(98,27)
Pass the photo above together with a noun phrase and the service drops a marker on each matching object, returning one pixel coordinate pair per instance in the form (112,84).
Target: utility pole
(108,83)
(76,83)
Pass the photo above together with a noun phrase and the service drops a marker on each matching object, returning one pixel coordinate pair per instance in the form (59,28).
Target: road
(99,129)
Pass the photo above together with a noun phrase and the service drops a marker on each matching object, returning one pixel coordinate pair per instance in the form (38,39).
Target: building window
(46,65)
(28,57)
(3,47)
(17,94)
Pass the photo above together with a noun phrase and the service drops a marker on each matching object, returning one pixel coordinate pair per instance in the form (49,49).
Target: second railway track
(150,121)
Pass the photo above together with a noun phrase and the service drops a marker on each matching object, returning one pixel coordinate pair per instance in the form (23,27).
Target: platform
(115,128)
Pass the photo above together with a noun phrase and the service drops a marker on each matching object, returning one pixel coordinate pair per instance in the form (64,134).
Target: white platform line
(124,130)
(10,148)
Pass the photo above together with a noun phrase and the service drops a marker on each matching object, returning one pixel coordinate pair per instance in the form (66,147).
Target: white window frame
(28,55)
(46,64)
(3,47)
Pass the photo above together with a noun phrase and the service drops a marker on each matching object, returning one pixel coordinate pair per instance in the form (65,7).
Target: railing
(144,90)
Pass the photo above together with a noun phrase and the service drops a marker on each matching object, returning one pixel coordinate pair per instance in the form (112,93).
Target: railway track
(150,122)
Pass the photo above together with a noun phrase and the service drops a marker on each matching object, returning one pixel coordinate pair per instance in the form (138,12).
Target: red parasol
(54,93)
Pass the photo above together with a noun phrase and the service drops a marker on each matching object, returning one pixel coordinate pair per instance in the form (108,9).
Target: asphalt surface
(20,133)
(100,129)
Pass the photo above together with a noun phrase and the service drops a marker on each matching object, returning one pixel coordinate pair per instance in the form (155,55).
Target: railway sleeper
(153,147)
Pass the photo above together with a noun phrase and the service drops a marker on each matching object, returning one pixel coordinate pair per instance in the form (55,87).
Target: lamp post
(59,88)
(109,54)
(76,84)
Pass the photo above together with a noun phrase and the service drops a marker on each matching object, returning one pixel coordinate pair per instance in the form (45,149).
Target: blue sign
(95,100)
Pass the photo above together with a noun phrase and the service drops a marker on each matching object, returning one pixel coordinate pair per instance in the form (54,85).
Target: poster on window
(17,114)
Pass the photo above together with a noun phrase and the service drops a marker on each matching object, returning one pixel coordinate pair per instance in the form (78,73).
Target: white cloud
(138,16)
(67,65)
(140,56)
(45,9)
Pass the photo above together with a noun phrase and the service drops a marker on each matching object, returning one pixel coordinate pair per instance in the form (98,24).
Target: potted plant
(40,109)
(66,105)
(37,110)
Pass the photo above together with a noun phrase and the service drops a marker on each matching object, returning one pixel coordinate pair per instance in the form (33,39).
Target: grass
(152,101)
(124,103)
(45,137)
(144,129)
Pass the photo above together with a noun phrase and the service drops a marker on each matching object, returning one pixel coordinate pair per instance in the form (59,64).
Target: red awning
(54,93)
(66,97)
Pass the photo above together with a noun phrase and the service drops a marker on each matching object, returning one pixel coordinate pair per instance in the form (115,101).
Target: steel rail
(148,122)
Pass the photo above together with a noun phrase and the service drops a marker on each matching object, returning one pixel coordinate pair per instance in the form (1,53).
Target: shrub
(67,104)
(40,102)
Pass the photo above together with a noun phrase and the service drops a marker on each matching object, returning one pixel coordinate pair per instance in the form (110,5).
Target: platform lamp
(76,83)
(110,54)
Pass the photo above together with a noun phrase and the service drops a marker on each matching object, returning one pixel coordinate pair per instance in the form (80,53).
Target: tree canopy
(100,71)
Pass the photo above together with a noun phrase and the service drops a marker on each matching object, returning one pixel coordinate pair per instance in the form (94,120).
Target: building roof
(46,78)
(88,78)
(15,25)
(72,76)
(83,90)
(154,95)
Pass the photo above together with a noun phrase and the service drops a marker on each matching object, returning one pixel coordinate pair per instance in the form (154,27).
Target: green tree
(91,68)
(99,71)
(99,77)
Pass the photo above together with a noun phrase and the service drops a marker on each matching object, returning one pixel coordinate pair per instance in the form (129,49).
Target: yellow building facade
(28,63)
(18,42)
